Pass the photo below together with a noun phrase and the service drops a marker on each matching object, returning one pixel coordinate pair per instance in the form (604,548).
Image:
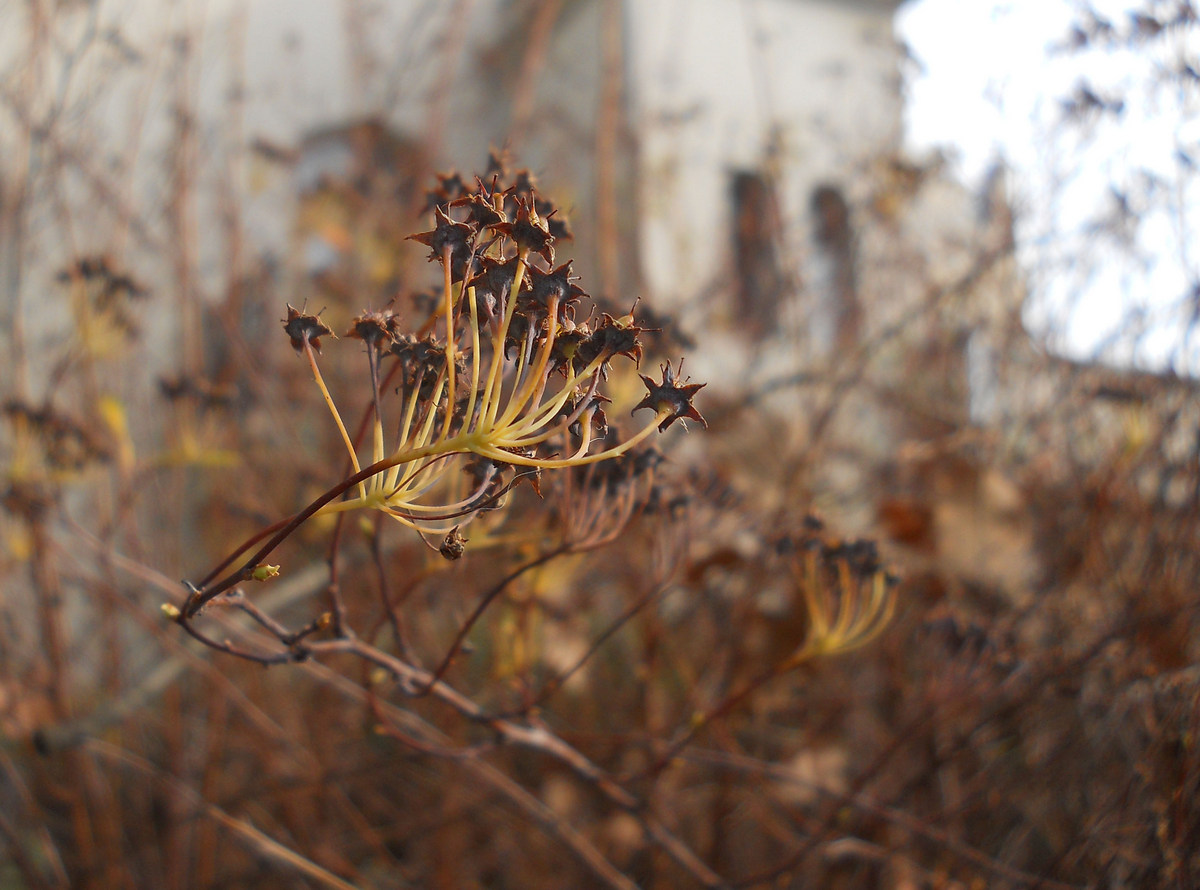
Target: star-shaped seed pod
(448,234)
(421,361)
(566,346)
(377,329)
(528,231)
(613,337)
(555,224)
(450,187)
(497,163)
(303,328)
(480,210)
(524,184)
(493,282)
(672,397)
(557,284)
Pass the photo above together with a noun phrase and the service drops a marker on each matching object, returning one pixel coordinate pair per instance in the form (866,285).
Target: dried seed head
(492,478)
(612,338)
(377,329)
(494,280)
(450,187)
(497,163)
(66,444)
(524,184)
(555,224)
(567,345)
(456,237)
(453,545)
(303,328)
(556,285)
(480,211)
(528,231)
(674,398)
(202,392)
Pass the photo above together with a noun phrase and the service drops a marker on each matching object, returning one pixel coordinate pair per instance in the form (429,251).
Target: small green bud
(171,611)
(264,573)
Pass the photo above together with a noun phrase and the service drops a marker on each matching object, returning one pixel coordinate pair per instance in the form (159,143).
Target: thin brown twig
(522,800)
(859,801)
(536,738)
(256,840)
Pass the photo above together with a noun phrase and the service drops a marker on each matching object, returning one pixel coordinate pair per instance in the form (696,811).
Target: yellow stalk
(337,418)
(816,609)
(448,302)
(535,380)
(427,428)
(847,607)
(377,451)
(474,358)
(585,436)
(495,381)
(391,478)
(495,453)
(547,411)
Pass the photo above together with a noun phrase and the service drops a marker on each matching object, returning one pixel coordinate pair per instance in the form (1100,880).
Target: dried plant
(502,382)
(518,638)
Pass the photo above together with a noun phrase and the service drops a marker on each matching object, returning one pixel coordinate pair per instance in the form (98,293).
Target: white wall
(719,83)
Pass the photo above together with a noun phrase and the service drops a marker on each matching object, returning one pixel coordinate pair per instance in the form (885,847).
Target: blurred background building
(740,165)
(171,175)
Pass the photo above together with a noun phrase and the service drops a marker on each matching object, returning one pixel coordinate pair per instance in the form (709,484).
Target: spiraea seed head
(303,328)
(671,397)
(377,329)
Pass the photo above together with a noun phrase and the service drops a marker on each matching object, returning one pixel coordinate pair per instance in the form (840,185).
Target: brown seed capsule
(448,235)
(672,397)
(303,328)
(378,329)
(556,286)
(453,545)
(528,231)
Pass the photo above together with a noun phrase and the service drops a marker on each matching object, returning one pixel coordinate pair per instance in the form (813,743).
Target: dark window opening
(835,245)
(760,280)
